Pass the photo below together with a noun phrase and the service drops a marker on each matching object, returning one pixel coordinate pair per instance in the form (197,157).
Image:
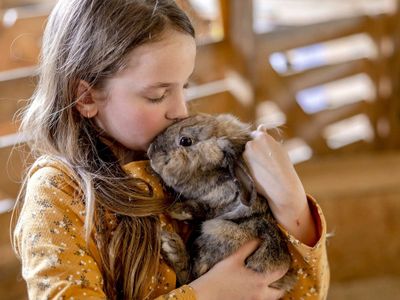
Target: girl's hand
(276,179)
(231,279)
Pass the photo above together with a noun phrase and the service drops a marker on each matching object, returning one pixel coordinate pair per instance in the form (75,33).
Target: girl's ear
(86,103)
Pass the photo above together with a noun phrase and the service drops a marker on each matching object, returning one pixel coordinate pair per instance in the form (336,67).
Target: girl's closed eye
(159,99)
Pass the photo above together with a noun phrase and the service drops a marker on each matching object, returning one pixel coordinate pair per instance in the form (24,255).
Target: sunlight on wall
(337,93)
(298,150)
(269,114)
(335,51)
(348,131)
(210,10)
(270,14)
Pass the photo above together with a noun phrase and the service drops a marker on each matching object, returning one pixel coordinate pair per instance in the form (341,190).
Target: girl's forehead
(170,45)
(173,55)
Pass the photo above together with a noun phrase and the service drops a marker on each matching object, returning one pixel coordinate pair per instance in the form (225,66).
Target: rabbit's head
(196,146)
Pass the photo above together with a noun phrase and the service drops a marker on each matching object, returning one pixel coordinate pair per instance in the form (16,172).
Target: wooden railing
(283,87)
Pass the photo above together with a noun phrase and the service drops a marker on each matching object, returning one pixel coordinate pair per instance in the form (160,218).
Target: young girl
(89,216)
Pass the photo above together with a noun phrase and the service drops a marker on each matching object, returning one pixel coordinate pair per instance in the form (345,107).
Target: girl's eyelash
(155,100)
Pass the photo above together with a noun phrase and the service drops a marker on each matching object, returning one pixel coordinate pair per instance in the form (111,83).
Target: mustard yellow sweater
(57,264)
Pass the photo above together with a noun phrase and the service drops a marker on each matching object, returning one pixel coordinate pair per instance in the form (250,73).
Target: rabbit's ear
(248,193)
(229,152)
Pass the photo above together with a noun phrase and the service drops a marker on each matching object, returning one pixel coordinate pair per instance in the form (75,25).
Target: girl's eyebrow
(162,84)
(159,84)
(167,84)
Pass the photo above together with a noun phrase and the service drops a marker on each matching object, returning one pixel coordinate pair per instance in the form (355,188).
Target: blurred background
(326,72)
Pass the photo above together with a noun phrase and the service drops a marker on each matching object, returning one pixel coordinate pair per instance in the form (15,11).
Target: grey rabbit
(200,159)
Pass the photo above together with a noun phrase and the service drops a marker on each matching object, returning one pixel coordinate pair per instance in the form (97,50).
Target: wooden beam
(294,37)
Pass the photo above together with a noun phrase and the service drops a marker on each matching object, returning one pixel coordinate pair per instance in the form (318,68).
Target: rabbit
(200,159)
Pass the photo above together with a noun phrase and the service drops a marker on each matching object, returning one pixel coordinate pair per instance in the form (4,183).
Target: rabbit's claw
(180,211)
(174,252)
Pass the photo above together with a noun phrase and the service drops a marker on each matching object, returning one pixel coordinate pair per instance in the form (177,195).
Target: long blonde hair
(90,40)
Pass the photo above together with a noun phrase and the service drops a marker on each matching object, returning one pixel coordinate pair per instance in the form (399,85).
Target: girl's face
(148,95)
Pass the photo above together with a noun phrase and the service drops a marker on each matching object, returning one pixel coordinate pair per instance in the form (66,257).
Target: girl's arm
(276,179)
(299,216)
(49,238)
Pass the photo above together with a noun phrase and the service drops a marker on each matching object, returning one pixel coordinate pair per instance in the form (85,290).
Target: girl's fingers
(275,275)
(257,133)
(274,294)
(246,250)
(262,128)
(274,134)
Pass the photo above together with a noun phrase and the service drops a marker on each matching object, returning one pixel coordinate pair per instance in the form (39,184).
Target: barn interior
(326,73)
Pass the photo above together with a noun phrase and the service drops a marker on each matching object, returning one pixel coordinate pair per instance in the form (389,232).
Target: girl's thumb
(247,249)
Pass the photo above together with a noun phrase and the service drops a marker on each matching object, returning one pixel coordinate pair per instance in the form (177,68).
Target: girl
(89,216)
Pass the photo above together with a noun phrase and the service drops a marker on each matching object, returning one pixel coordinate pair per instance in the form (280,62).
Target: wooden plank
(220,103)
(318,122)
(394,102)
(12,163)
(201,24)
(328,73)
(16,87)
(351,175)
(359,198)
(241,36)
(366,288)
(225,14)
(381,33)
(295,37)
(7,128)
(11,284)
(213,56)
(282,89)
(5,4)
(21,42)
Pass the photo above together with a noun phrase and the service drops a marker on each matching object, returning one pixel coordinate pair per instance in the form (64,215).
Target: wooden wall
(233,75)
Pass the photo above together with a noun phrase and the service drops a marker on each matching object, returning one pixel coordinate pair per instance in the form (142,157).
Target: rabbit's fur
(200,158)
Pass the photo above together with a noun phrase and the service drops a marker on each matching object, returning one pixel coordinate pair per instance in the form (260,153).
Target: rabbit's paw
(174,252)
(200,267)
(180,211)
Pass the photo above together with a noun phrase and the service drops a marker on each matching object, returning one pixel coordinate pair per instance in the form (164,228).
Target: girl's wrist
(290,204)
(200,289)
(297,220)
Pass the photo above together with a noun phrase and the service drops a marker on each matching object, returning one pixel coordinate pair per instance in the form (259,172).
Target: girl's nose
(178,109)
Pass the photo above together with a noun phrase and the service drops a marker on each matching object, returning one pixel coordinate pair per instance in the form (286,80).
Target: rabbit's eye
(185,141)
